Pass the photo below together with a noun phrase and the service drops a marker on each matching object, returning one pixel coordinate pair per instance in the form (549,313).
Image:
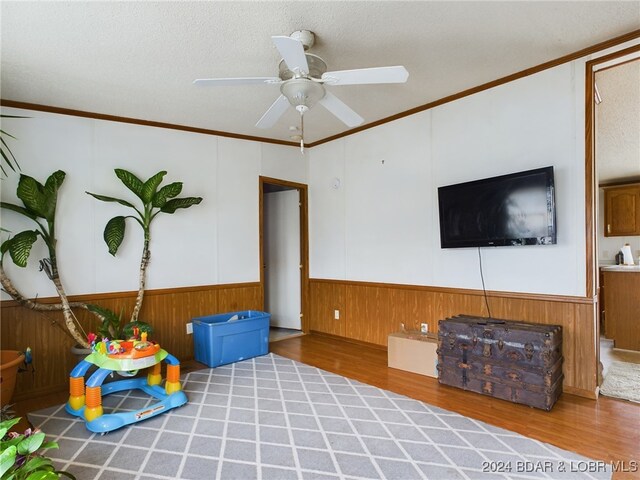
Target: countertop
(620,268)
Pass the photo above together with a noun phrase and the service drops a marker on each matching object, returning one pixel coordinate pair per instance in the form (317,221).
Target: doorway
(613,164)
(284,256)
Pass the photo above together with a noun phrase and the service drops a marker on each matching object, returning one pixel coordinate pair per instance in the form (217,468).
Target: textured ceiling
(618,123)
(138,59)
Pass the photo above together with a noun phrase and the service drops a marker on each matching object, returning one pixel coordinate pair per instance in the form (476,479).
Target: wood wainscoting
(168,310)
(369,312)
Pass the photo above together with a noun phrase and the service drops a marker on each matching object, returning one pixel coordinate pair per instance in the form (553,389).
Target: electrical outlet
(189,328)
(424,328)
(336,314)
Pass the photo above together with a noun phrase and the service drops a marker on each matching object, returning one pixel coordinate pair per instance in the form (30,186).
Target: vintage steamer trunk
(515,361)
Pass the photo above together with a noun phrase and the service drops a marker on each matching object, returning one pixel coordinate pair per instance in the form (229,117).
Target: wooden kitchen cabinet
(622,297)
(622,210)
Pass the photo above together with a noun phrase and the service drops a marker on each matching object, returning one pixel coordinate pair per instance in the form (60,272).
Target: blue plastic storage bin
(218,341)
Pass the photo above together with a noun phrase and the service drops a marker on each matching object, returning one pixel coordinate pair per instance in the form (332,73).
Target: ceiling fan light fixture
(302,92)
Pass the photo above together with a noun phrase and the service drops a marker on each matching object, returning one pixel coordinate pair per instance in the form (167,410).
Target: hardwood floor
(606,429)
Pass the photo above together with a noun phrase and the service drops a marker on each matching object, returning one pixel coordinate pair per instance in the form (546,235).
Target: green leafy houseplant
(154,201)
(19,457)
(113,326)
(39,205)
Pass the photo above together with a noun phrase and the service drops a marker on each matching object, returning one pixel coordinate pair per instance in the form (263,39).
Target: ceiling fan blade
(224,82)
(275,111)
(364,76)
(341,110)
(292,53)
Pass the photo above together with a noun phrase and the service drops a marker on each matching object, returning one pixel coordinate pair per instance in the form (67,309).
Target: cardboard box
(413,352)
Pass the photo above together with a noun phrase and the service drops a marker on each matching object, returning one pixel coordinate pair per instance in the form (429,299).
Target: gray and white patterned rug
(274,418)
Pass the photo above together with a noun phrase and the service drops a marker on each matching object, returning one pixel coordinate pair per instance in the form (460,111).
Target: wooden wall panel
(329,297)
(372,311)
(167,310)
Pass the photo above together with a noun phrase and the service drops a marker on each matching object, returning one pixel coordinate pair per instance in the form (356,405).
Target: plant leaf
(165,193)
(7,424)
(31,443)
(31,192)
(114,234)
(7,459)
(132,182)
(44,475)
(37,463)
(20,246)
(3,249)
(19,209)
(7,149)
(110,321)
(104,198)
(51,187)
(150,186)
(172,205)
(54,182)
(6,158)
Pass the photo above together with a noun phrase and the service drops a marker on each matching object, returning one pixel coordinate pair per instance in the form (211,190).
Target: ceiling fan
(302,79)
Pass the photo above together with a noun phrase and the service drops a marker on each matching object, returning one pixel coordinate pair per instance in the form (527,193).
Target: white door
(282,258)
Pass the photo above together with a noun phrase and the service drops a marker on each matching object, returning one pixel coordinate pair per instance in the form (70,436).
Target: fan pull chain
(302,133)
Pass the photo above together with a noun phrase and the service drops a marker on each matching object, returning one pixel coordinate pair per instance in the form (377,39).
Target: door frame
(304,243)
(591,188)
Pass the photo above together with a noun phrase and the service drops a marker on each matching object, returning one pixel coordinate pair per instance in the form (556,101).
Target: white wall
(215,242)
(382,224)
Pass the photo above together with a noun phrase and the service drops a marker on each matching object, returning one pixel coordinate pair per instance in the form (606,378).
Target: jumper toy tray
(131,359)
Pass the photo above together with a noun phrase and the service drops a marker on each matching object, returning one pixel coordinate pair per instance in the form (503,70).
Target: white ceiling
(618,123)
(138,59)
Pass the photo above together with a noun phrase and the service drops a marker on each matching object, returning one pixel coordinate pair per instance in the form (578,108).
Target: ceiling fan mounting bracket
(306,37)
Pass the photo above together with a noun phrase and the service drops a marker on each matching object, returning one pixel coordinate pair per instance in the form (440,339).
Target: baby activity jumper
(125,357)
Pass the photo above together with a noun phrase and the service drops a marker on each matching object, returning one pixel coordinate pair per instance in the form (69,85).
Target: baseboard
(349,340)
(580,392)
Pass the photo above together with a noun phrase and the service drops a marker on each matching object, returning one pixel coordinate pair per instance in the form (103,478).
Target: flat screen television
(514,209)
